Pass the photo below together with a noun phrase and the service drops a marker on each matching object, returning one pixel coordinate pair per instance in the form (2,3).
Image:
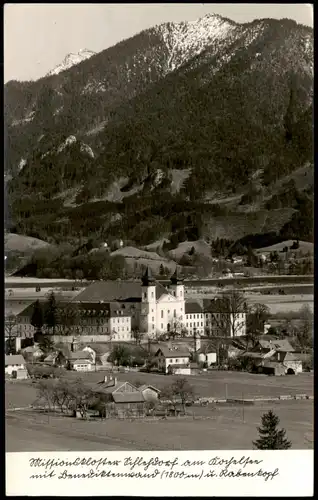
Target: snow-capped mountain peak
(71,60)
(190,38)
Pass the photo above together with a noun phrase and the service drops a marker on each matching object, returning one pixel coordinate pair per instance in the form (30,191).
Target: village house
(81,361)
(15,366)
(173,360)
(32,353)
(275,357)
(207,355)
(149,392)
(57,358)
(121,398)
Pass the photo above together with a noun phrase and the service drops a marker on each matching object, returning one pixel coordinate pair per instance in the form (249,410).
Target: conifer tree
(270,437)
(37,317)
(51,315)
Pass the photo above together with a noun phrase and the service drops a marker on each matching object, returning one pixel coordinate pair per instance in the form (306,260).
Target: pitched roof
(28,311)
(32,349)
(174,352)
(161,290)
(218,305)
(147,386)
(193,306)
(206,349)
(279,345)
(289,356)
(110,387)
(108,291)
(81,355)
(14,359)
(51,357)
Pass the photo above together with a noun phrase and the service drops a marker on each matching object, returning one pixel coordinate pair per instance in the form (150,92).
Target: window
(162,313)
(153,319)
(190,324)
(152,295)
(201,323)
(181,317)
(168,311)
(180,293)
(198,323)
(174,313)
(190,316)
(161,326)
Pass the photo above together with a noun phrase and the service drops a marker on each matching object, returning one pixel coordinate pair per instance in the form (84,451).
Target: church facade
(162,308)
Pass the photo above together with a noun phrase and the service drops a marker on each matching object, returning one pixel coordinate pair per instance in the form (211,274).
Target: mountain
(226,105)
(71,60)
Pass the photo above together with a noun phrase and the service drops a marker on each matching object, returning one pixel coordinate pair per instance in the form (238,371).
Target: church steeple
(175,278)
(147,278)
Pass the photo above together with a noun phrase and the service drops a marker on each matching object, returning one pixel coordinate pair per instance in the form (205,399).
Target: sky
(37,37)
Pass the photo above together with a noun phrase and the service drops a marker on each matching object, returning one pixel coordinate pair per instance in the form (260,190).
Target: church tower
(148,303)
(177,288)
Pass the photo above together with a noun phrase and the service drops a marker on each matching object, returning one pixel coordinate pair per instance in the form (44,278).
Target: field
(212,427)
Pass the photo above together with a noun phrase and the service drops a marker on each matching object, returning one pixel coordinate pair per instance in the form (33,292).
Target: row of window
(168,312)
(178,360)
(208,315)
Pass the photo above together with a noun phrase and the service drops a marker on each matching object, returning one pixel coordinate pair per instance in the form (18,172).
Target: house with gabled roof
(149,392)
(276,357)
(119,397)
(15,366)
(173,360)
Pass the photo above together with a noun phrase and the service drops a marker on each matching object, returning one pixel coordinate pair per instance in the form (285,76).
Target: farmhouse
(81,361)
(120,398)
(15,366)
(173,360)
(274,357)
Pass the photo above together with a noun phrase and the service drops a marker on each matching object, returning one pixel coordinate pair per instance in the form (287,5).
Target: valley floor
(221,428)
(211,427)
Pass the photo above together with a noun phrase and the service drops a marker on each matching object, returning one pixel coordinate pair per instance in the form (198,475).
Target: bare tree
(82,397)
(305,333)
(10,327)
(180,391)
(137,334)
(257,315)
(228,313)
